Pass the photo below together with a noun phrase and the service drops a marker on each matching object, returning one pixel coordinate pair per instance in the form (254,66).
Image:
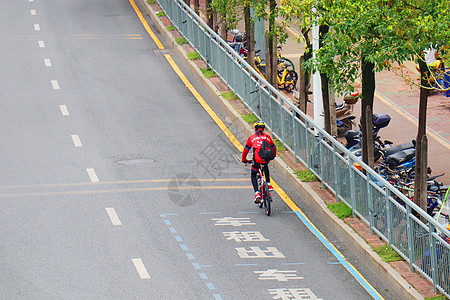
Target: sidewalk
(355,232)
(395,97)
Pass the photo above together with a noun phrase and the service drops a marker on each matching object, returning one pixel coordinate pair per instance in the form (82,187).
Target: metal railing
(387,211)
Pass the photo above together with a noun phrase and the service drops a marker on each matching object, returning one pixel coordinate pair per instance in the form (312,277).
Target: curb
(395,281)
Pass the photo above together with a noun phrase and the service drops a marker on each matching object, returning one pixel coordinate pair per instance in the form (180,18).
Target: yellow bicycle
(286,77)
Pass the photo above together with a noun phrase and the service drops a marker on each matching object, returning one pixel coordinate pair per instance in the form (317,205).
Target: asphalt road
(116,184)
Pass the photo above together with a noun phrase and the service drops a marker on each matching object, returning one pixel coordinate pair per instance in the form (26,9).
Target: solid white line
(113,216)
(55,84)
(37,27)
(47,62)
(64,110)
(76,140)
(41,44)
(33,12)
(92,175)
(141,268)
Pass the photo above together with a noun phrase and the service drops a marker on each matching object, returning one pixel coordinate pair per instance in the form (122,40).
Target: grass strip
(305,175)
(386,253)
(340,209)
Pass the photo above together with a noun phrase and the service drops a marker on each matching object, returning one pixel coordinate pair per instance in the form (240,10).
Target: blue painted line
(178,238)
(190,256)
(244,265)
(205,266)
(217,297)
(203,276)
(184,247)
(197,266)
(210,286)
(167,222)
(173,230)
(287,212)
(334,263)
(339,257)
(169,214)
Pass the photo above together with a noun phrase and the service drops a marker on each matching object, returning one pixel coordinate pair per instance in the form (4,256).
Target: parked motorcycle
(353,137)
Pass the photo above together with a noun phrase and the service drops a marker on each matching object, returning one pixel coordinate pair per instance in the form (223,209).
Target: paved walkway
(400,100)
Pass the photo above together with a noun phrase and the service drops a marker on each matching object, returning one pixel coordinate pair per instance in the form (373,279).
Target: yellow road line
(177,188)
(121,182)
(147,28)
(204,104)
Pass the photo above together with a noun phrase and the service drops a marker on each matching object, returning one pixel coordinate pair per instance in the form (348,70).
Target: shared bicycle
(263,187)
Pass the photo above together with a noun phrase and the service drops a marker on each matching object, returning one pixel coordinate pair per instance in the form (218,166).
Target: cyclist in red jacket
(255,141)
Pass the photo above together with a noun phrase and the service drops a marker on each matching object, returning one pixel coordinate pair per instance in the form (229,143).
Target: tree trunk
(250,33)
(223,29)
(271,54)
(368,92)
(323,29)
(209,14)
(333,121)
(420,180)
(197,7)
(304,75)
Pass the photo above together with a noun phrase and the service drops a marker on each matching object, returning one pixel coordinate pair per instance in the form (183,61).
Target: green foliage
(381,31)
(340,209)
(230,95)
(250,118)
(208,73)
(229,11)
(305,175)
(386,253)
(440,297)
(193,55)
(170,28)
(181,41)
(161,14)
(279,145)
(151,1)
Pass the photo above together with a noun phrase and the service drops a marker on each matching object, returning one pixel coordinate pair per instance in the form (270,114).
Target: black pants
(255,168)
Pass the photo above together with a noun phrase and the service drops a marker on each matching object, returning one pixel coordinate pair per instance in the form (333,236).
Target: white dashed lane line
(47,62)
(41,44)
(33,12)
(92,175)
(64,110)
(76,140)
(37,27)
(142,271)
(55,84)
(113,216)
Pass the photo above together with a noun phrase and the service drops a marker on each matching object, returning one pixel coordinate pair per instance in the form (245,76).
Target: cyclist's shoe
(270,187)
(257,197)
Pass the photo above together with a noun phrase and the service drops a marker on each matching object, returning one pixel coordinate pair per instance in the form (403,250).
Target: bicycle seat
(391,150)
(400,157)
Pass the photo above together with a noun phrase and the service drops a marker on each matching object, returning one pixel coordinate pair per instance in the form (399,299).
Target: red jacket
(254,141)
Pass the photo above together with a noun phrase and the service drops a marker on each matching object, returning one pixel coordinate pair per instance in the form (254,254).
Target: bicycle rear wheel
(266,199)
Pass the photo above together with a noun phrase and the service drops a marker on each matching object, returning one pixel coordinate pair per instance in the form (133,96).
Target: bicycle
(286,75)
(263,187)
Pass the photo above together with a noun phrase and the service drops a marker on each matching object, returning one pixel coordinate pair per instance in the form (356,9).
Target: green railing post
(411,238)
